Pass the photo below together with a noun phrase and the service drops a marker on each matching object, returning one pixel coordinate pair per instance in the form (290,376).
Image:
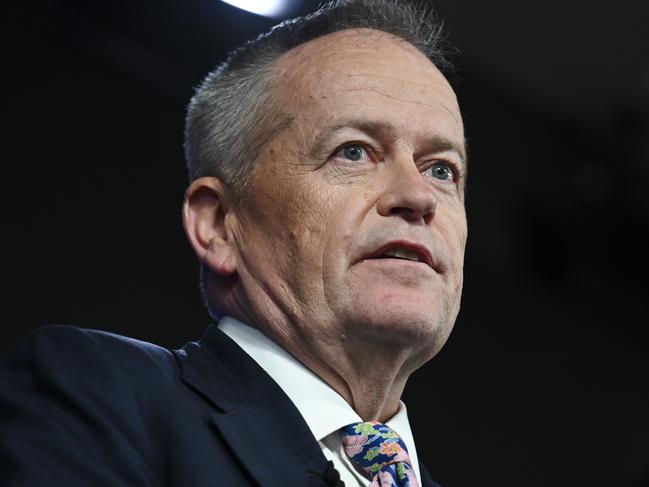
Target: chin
(420,312)
(403,324)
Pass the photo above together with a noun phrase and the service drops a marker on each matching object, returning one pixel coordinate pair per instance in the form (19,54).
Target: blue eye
(442,172)
(353,152)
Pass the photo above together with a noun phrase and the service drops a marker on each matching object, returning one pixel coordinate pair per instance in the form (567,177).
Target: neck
(369,376)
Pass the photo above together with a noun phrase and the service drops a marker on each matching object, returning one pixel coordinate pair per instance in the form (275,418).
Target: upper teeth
(402,254)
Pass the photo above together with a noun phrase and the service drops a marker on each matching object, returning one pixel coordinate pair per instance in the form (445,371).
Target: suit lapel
(260,423)
(426,480)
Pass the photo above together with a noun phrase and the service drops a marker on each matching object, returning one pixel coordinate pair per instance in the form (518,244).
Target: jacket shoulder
(71,404)
(63,352)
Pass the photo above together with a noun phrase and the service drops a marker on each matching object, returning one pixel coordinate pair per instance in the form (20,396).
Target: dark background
(544,381)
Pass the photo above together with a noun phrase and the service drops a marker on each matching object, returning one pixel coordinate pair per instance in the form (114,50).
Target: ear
(206,206)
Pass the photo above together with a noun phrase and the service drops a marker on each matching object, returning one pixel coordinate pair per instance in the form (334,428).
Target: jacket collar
(252,412)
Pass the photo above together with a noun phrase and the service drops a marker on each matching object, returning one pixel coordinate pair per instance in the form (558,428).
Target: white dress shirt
(322,408)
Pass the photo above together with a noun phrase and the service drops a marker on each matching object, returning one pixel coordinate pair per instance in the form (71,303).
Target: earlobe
(205,209)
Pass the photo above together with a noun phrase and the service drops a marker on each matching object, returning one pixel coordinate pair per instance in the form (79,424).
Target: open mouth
(400,253)
(404,251)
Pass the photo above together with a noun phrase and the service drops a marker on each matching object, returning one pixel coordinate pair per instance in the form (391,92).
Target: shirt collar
(323,409)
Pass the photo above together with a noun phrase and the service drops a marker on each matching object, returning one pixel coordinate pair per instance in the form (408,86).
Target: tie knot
(373,446)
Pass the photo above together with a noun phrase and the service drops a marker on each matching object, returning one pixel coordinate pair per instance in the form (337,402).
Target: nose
(407,194)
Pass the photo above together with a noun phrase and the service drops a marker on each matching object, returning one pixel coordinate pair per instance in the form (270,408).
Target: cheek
(299,223)
(326,234)
(461,233)
(314,224)
(455,229)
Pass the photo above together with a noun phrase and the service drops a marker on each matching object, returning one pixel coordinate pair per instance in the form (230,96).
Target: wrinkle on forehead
(363,38)
(382,92)
(364,73)
(308,64)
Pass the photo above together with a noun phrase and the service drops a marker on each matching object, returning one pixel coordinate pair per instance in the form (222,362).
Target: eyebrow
(380,129)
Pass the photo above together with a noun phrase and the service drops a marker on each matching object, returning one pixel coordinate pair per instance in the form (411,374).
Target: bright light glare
(267,8)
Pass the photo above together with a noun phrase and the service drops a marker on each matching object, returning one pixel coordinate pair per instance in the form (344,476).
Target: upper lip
(424,254)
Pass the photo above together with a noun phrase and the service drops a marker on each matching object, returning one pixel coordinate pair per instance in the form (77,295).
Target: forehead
(364,73)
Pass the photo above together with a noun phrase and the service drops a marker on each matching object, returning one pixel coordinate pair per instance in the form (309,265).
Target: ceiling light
(267,8)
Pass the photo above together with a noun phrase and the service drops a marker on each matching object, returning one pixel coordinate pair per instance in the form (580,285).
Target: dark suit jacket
(89,408)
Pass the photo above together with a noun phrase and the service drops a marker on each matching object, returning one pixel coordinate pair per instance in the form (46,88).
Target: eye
(352,152)
(441,171)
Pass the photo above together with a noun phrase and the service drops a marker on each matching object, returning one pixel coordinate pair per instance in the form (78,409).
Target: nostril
(401,209)
(413,213)
(408,199)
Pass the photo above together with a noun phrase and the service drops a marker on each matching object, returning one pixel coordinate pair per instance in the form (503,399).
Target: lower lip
(401,262)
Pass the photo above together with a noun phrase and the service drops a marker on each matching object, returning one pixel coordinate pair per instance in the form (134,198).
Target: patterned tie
(380,453)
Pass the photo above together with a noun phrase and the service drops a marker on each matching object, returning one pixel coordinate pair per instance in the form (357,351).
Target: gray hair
(233,114)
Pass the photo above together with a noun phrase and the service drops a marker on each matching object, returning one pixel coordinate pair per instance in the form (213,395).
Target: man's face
(368,176)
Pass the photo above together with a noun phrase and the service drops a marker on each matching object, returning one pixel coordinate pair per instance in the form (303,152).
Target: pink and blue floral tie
(380,453)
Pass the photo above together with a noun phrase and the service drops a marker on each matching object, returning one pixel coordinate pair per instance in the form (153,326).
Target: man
(327,166)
